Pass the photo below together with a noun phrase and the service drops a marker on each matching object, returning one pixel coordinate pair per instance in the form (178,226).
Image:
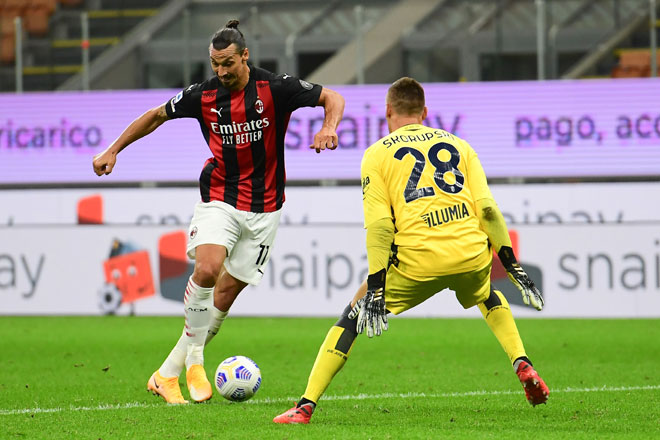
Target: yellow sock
(501,323)
(331,358)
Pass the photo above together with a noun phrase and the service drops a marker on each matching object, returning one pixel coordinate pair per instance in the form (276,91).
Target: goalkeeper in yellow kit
(431,222)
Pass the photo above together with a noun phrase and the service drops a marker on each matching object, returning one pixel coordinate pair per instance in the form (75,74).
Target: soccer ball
(237,378)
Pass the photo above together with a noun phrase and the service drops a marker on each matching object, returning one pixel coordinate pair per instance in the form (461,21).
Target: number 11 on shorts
(263,253)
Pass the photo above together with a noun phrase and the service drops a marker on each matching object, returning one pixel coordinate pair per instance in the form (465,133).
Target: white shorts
(248,237)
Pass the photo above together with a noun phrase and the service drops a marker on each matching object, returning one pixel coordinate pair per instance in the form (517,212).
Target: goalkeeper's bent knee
(495,299)
(345,322)
(349,333)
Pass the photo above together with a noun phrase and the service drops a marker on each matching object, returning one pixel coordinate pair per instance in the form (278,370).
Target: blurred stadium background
(161,44)
(558,97)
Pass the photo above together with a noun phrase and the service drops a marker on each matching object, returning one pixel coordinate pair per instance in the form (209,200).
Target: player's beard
(228,80)
(233,81)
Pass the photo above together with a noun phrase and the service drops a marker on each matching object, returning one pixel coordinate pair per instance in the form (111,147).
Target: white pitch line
(604,388)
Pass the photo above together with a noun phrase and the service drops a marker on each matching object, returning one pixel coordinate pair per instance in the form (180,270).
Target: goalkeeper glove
(370,309)
(517,275)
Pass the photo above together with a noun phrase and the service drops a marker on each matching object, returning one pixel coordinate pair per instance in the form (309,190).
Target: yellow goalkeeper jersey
(427,181)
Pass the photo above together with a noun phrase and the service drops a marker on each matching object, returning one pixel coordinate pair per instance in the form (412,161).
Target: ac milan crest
(193,232)
(259,106)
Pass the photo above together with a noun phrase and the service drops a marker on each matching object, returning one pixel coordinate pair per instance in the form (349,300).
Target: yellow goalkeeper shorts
(403,292)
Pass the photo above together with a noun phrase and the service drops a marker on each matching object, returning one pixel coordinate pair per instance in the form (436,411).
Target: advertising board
(583,270)
(519,129)
(520,204)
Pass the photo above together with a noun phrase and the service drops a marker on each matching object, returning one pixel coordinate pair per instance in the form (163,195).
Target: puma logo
(217,111)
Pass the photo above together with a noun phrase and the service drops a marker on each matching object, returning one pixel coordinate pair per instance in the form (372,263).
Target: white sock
(217,318)
(190,346)
(174,362)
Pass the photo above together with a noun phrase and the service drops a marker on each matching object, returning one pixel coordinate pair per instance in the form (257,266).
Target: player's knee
(348,334)
(346,323)
(495,299)
(206,273)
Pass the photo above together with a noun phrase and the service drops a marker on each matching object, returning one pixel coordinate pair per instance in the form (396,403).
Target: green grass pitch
(85,378)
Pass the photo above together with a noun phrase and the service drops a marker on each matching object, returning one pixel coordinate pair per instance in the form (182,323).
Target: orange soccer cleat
(536,390)
(198,384)
(296,415)
(167,388)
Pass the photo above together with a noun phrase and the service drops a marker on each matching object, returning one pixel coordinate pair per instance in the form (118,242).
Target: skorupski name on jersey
(416,137)
(445,215)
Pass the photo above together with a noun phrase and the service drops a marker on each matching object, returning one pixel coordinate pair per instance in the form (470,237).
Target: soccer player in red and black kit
(243,112)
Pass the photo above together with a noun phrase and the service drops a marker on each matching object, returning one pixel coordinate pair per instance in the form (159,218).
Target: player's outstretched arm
(492,222)
(333,103)
(104,162)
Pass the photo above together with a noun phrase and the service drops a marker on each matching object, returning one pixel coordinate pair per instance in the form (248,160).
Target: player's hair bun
(230,34)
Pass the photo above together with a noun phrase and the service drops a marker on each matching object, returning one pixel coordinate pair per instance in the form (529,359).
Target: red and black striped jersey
(245,131)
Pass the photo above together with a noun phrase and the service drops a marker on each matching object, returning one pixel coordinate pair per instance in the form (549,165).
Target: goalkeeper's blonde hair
(406,97)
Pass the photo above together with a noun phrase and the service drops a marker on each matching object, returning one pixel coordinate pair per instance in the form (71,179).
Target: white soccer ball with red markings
(237,378)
